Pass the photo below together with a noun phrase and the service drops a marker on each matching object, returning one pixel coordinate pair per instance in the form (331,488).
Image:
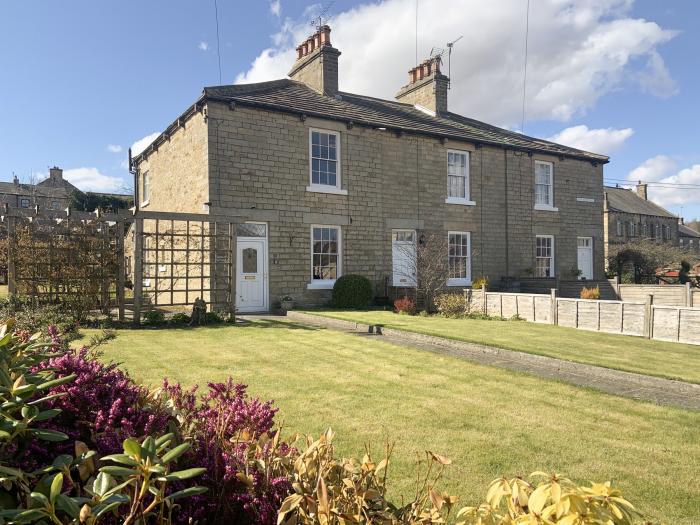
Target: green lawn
(622,352)
(489,421)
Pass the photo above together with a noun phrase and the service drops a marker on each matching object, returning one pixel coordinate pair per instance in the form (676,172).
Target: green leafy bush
(352,291)
(214,318)
(480,282)
(180,318)
(452,304)
(154,318)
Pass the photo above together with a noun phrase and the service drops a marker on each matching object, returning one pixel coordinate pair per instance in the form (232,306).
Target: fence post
(138,269)
(688,295)
(121,277)
(11,254)
(649,317)
(553,306)
(484,299)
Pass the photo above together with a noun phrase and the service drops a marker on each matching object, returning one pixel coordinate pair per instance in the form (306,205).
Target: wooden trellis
(169,259)
(67,257)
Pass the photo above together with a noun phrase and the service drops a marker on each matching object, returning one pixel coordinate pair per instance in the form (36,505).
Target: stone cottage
(630,217)
(331,183)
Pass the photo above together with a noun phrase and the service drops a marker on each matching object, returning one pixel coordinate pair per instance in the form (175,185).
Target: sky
(82,81)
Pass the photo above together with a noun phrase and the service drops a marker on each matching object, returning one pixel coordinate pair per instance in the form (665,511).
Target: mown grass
(489,421)
(621,352)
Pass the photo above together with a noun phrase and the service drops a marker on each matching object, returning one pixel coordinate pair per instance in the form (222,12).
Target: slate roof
(685,231)
(292,96)
(10,188)
(627,201)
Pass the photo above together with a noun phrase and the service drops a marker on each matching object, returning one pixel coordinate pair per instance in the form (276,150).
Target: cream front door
(251,275)
(585,257)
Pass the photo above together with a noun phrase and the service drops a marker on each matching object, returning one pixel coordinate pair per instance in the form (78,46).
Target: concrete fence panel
(664,295)
(611,317)
(665,323)
(543,308)
(633,319)
(567,312)
(690,326)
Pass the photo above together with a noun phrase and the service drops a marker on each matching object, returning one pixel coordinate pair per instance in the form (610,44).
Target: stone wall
(259,159)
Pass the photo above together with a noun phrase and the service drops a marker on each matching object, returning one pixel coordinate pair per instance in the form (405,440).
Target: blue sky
(84,80)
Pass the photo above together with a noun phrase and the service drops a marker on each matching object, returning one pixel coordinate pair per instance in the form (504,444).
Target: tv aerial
(319,21)
(439,52)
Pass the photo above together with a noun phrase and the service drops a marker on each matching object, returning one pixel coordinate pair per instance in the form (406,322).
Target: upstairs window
(458,177)
(544,185)
(544,256)
(324,156)
(55,205)
(24,203)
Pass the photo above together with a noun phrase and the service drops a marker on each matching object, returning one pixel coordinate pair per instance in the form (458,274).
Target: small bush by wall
(405,305)
(590,293)
(352,291)
(452,304)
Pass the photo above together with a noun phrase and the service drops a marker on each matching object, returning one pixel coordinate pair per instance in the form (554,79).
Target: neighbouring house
(327,183)
(688,238)
(52,193)
(631,217)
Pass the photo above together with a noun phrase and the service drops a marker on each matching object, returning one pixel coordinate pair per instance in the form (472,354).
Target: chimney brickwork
(427,87)
(317,63)
(642,190)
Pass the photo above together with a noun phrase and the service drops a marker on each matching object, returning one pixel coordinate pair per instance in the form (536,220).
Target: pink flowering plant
(233,437)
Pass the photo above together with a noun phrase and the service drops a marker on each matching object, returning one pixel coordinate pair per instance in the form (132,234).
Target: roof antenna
(450,45)
(319,21)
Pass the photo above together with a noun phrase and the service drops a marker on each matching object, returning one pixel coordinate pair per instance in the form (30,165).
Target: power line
(655,183)
(218,40)
(527,34)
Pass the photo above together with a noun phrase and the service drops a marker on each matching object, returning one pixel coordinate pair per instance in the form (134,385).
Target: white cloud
(276,8)
(114,148)
(141,144)
(653,169)
(578,51)
(90,179)
(203,46)
(668,187)
(603,140)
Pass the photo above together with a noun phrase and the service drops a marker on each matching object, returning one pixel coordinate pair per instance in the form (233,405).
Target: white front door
(403,256)
(585,257)
(251,275)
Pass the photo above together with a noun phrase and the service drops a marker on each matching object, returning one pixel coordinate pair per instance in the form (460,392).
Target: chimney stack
(427,87)
(642,190)
(15,180)
(317,63)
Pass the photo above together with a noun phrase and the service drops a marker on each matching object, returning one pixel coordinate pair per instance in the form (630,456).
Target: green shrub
(352,291)
(153,318)
(451,304)
(180,318)
(214,318)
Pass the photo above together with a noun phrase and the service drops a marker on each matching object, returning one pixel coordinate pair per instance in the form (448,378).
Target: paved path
(637,386)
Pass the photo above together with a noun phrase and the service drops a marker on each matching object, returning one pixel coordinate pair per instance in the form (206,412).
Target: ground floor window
(325,255)
(459,260)
(544,256)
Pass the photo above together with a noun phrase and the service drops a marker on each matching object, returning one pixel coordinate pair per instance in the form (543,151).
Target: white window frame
(22,200)
(466,199)
(146,188)
(324,284)
(326,188)
(549,206)
(632,228)
(461,281)
(552,271)
(619,228)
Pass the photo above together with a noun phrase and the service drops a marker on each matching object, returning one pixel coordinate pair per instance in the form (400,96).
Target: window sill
(545,207)
(313,188)
(457,200)
(459,282)
(145,203)
(321,285)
